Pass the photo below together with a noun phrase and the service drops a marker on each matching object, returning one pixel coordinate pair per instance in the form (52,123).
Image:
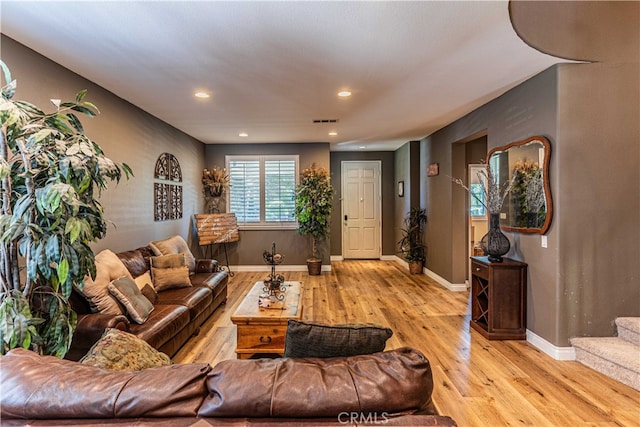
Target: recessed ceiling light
(333,133)
(344,93)
(362,146)
(243,134)
(202,95)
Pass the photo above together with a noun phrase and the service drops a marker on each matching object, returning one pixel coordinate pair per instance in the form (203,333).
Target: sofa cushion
(163,324)
(122,351)
(45,387)
(317,340)
(127,292)
(392,382)
(168,278)
(96,291)
(174,245)
(195,298)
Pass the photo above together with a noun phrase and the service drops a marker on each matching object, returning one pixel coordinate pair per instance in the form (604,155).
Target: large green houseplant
(49,173)
(314,195)
(411,246)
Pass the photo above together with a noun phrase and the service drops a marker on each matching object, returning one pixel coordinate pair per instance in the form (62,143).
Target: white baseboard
(337,258)
(282,267)
(557,353)
(389,258)
(455,287)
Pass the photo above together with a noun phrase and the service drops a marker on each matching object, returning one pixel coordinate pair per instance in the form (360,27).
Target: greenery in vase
(411,245)
(314,196)
(49,173)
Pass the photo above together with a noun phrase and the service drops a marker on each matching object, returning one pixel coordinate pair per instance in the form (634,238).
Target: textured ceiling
(274,67)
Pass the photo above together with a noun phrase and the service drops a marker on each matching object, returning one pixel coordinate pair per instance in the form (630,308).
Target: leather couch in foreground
(389,388)
(177,312)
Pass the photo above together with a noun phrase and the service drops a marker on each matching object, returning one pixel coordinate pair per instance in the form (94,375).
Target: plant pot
(415,267)
(314,266)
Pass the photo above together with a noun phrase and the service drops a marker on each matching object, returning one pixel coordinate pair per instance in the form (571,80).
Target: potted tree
(411,245)
(50,176)
(314,196)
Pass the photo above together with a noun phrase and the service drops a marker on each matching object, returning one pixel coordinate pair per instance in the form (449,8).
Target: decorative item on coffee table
(274,289)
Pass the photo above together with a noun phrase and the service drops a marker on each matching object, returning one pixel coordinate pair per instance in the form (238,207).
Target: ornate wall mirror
(528,208)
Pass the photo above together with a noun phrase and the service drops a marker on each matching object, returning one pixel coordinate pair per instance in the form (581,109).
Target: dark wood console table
(499,298)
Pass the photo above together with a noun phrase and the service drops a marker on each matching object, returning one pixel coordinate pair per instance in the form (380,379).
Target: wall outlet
(503,215)
(543,241)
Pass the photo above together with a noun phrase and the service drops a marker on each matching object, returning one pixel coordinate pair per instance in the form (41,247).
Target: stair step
(629,329)
(611,356)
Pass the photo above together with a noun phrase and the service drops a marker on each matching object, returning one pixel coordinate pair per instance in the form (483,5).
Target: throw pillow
(122,351)
(127,292)
(145,284)
(168,278)
(168,261)
(96,291)
(144,279)
(317,340)
(150,293)
(174,245)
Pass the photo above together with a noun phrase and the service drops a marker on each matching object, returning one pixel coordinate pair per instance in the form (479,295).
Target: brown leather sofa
(390,388)
(177,313)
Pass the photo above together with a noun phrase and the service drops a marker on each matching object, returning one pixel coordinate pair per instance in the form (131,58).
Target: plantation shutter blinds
(262,190)
(279,192)
(244,190)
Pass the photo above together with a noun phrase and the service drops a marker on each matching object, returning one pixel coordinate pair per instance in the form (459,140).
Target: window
(262,190)
(477,201)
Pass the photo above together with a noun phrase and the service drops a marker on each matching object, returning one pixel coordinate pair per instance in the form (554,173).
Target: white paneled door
(361,217)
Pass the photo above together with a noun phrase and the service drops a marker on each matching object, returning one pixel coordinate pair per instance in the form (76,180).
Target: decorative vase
(494,243)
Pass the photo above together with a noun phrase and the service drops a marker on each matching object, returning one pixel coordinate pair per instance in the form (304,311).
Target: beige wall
(126,134)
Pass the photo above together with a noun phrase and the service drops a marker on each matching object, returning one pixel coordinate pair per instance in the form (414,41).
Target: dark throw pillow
(316,340)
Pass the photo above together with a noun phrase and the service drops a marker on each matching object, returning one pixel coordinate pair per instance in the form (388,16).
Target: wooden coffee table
(263,330)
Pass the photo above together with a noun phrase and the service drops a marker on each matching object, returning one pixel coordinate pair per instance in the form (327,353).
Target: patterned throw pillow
(122,351)
(317,340)
(127,292)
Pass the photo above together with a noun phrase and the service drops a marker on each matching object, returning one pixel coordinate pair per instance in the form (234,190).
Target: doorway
(466,227)
(361,215)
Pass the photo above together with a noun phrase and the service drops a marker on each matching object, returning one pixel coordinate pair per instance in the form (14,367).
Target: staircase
(616,357)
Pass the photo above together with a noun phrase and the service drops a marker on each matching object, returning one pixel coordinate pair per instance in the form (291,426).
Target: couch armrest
(207,266)
(90,328)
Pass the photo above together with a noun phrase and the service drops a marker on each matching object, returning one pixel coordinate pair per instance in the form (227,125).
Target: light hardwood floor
(477,382)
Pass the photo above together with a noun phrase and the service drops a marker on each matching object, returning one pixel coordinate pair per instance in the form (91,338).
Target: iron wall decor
(167,196)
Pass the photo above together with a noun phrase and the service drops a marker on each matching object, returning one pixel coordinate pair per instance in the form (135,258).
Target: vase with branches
(51,174)
(494,243)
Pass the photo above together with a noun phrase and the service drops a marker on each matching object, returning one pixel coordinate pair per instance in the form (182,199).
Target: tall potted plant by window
(49,173)
(312,210)
(411,245)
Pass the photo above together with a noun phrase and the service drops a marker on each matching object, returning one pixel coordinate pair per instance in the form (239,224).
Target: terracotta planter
(415,267)
(314,266)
